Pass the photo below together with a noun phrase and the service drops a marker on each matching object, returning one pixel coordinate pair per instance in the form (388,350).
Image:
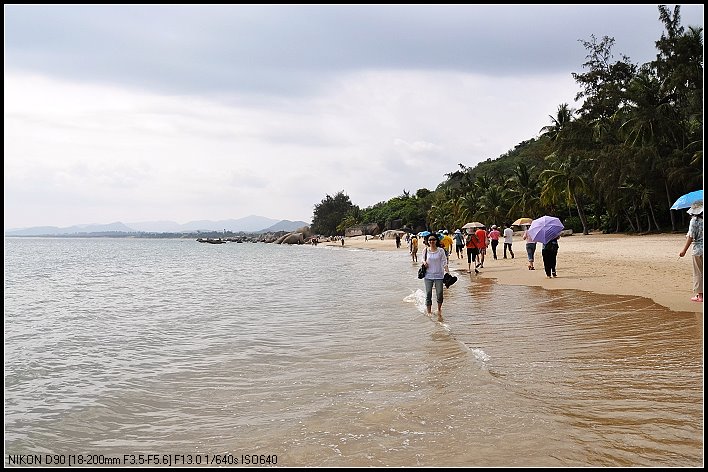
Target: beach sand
(646,266)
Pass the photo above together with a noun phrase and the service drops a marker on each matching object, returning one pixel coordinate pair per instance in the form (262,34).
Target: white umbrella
(474,224)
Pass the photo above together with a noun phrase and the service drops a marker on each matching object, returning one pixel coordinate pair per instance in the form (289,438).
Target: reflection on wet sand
(625,374)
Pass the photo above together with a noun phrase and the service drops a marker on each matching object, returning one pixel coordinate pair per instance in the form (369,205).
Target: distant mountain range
(249,224)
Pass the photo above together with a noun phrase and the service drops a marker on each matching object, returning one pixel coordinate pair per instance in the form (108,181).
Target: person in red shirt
(472,245)
(482,246)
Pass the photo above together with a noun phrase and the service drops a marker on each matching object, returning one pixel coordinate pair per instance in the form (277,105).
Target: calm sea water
(323,356)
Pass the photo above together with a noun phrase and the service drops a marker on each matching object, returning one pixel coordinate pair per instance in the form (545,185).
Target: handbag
(421,271)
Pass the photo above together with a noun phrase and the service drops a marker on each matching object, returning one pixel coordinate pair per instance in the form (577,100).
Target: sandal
(696,299)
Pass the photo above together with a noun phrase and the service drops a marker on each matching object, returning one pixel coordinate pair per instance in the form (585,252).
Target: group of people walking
(435,257)
(476,242)
(439,247)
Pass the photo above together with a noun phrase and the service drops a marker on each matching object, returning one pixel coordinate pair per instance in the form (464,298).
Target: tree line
(616,164)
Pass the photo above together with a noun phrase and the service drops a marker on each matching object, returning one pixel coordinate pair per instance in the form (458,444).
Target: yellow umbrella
(522,221)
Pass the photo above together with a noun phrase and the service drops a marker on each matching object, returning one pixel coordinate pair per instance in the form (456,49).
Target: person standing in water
(414,248)
(435,261)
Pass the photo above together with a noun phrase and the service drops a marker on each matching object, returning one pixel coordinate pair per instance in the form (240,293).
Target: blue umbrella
(545,229)
(423,234)
(687,200)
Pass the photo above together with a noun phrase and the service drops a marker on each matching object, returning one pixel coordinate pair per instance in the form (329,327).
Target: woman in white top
(435,261)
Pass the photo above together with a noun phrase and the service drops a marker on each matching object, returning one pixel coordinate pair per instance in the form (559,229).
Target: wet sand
(646,266)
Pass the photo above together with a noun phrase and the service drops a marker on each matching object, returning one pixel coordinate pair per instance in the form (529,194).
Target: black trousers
(549,261)
(495,243)
(508,245)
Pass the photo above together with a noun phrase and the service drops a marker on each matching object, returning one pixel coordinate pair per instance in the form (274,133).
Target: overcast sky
(142,113)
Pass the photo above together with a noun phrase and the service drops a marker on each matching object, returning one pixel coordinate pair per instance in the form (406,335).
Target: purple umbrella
(545,229)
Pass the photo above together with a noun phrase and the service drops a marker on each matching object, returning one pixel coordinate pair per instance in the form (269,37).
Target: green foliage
(410,210)
(329,213)
(574,223)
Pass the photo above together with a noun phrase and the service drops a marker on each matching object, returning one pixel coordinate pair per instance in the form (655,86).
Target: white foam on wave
(480,355)
(417,297)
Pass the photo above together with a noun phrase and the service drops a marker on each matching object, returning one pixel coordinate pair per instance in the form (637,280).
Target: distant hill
(76,229)
(249,224)
(285,225)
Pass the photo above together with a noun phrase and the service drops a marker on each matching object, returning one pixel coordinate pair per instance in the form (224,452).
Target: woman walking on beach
(435,261)
(550,254)
(530,248)
(695,236)
(494,238)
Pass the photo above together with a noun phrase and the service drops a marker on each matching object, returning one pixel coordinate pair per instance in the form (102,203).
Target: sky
(182,113)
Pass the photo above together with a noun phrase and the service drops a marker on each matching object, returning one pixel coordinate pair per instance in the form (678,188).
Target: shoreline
(612,264)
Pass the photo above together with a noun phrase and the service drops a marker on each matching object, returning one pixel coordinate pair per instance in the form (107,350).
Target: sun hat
(494,226)
(457,231)
(696,208)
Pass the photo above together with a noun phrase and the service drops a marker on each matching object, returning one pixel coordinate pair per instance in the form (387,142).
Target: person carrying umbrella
(695,236)
(550,254)
(546,230)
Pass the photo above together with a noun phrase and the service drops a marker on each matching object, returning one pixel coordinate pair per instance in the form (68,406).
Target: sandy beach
(646,266)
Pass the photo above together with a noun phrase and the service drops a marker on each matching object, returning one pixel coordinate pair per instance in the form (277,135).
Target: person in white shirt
(508,239)
(435,260)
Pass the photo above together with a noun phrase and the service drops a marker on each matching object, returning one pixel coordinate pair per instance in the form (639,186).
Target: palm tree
(493,205)
(563,182)
(523,191)
(563,117)
(652,123)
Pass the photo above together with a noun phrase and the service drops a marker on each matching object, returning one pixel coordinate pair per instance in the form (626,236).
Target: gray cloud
(294,49)
(130,113)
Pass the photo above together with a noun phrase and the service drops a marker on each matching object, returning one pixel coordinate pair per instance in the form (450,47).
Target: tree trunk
(653,216)
(581,214)
(630,221)
(668,199)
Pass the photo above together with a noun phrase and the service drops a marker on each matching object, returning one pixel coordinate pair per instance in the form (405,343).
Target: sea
(162,352)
